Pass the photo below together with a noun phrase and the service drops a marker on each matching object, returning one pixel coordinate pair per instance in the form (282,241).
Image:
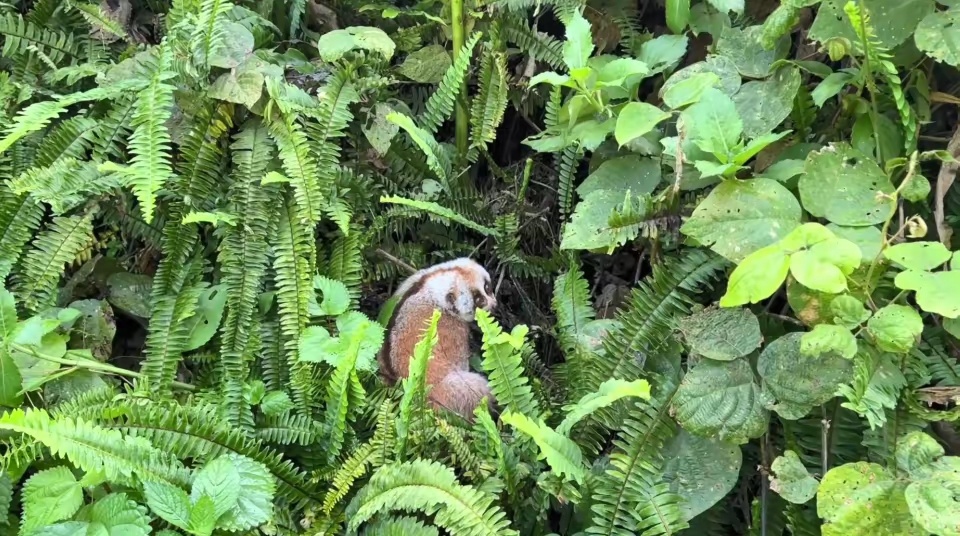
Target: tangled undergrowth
(720,231)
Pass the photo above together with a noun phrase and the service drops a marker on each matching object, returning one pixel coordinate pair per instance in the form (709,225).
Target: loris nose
(491,302)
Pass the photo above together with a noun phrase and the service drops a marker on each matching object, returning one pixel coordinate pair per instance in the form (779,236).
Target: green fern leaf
(300,167)
(413,402)
(491,103)
(442,213)
(440,105)
(36,284)
(244,258)
(150,168)
(19,219)
(504,367)
(432,488)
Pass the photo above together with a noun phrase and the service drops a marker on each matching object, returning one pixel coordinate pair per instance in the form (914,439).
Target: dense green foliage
(720,231)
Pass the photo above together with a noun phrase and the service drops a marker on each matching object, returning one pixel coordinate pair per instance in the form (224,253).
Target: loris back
(457,288)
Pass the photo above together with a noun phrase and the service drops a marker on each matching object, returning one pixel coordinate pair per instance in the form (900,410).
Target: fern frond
(399,526)
(150,168)
(631,498)
(244,258)
(571,303)
(352,468)
(413,403)
(300,167)
(19,35)
(432,488)
(567,162)
(19,219)
(537,45)
(95,449)
(440,105)
(504,367)
(200,168)
(289,429)
(491,103)
(344,264)
(65,184)
(69,139)
(293,248)
(441,213)
(210,30)
(647,320)
(113,129)
(36,283)
(332,119)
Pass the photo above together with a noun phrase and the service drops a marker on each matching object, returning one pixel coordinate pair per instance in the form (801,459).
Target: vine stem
(91,365)
(462,119)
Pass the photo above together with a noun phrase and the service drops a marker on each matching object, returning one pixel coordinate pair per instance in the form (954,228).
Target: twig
(396,261)
(948,174)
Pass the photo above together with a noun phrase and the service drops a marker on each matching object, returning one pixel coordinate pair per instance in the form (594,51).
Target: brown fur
(451,383)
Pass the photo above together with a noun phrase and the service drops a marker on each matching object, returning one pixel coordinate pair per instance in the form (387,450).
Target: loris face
(471,289)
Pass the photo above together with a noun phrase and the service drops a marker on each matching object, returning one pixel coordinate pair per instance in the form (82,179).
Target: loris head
(459,287)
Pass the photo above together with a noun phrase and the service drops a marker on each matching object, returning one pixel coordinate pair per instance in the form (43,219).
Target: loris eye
(477,297)
(486,287)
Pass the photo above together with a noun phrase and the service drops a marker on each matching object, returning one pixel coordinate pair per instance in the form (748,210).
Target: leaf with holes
(939,36)
(921,256)
(846,187)
(864,498)
(204,323)
(936,292)
(763,105)
(740,217)
(791,480)
(702,470)
(896,328)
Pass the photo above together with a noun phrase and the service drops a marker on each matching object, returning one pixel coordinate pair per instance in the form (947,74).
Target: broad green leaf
(205,322)
(784,170)
(69,528)
(116,515)
(427,65)
(744,48)
(220,481)
(916,452)
(917,189)
(609,392)
(728,5)
(640,175)
(796,382)
(848,311)
(830,87)
(763,105)
(741,217)
(235,47)
(34,371)
(756,145)
(552,78)
(203,518)
(358,339)
(939,36)
(589,227)
(864,498)
(561,453)
(921,256)
(276,403)
(893,21)
(791,480)
(690,89)
(720,399)
(8,313)
(663,52)
(896,328)
(255,504)
(702,470)
(95,329)
(722,334)
(933,500)
(868,239)
(825,265)
(240,86)
(336,296)
(130,293)
(713,123)
(705,19)
(592,132)
(49,496)
(713,169)
(827,338)
(11,383)
(378,130)
(844,186)
(637,119)
(757,277)
(619,71)
(579,42)
(334,44)
(936,292)
(721,66)
(169,502)
(678,15)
